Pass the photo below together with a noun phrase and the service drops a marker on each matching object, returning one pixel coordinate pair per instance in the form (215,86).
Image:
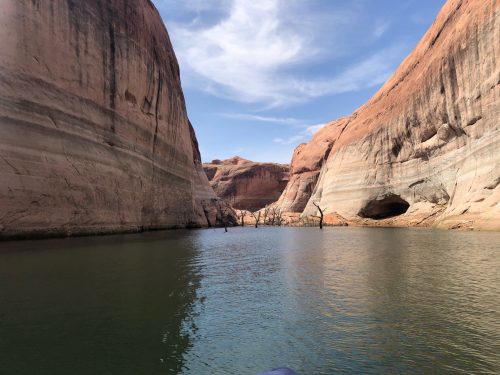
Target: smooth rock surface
(94,136)
(430,136)
(245,184)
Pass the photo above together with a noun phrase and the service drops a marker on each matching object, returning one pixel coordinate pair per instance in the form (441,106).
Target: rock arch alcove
(389,206)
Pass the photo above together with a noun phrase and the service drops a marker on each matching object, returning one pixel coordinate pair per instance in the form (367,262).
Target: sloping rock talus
(425,150)
(245,184)
(94,136)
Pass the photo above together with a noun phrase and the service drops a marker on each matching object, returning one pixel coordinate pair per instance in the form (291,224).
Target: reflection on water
(105,305)
(207,302)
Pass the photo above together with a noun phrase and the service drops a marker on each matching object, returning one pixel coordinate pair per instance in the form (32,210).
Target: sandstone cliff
(245,184)
(425,149)
(94,136)
(307,160)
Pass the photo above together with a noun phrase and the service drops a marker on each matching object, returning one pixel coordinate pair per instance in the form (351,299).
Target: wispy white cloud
(258,118)
(239,55)
(196,6)
(303,135)
(249,56)
(291,140)
(313,129)
(381,27)
(367,73)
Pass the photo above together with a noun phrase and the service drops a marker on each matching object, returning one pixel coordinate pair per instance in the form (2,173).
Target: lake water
(341,300)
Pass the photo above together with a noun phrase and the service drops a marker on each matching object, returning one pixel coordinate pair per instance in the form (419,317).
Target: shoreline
(34,236)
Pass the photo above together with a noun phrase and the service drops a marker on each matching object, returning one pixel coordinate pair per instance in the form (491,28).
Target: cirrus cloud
(251,53)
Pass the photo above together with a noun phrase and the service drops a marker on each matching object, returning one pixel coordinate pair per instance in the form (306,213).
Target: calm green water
(343,300)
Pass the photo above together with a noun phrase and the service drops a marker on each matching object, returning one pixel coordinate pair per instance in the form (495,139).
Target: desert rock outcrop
(245,184)
(94,136)
(425,149)
(307,160)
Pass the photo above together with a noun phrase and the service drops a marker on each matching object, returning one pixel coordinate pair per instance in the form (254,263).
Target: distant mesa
(245,184)
(235,160)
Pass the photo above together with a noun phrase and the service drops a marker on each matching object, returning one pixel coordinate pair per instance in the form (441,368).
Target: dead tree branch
(321,215)
(257,218)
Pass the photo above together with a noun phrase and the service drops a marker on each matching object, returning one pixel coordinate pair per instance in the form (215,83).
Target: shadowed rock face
(94,136)
(430,136)
(245,184)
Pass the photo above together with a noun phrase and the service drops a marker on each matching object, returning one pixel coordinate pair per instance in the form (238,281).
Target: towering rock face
(245,184)
(94,136)
(307,160)
(425,149)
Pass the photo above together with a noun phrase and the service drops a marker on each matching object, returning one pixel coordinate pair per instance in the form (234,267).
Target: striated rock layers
(94,136)
(245,184)
(425,150)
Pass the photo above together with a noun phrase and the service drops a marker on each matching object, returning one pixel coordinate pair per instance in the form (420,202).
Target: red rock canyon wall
(427,144)
(94,136)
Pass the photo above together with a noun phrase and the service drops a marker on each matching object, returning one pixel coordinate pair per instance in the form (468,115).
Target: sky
(262,76)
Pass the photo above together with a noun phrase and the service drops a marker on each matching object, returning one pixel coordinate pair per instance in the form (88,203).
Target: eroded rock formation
(425,149)
(94,136)
(307,160)
(245,184)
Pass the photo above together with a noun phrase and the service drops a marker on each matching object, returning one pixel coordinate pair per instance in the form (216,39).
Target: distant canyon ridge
(247,185)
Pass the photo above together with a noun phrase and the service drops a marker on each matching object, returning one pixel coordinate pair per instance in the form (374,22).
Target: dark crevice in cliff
(474,120)
(112,64)
(112,67)
(445,23)
(454,90)
(194,145)
(151,85)
(157,109)
(130,98)
(327,152)
(73,16)
(397,145)
(207,214)
(493,185)
(108,46)
(36,4)
(389,206)
(157,103)
(416,183)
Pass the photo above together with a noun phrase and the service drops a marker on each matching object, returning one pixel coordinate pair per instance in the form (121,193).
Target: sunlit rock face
(307,160)
(94,136)
(425,150)
(245,184)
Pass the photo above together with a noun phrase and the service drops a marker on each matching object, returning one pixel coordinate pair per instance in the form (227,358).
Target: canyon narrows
(425,149)
(94,135)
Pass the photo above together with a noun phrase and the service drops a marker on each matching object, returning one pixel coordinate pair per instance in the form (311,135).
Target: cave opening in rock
(389,206)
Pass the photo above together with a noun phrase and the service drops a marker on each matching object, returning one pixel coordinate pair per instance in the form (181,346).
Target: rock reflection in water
(114,304)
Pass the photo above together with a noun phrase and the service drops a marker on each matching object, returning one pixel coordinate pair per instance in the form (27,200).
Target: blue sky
(261,76)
